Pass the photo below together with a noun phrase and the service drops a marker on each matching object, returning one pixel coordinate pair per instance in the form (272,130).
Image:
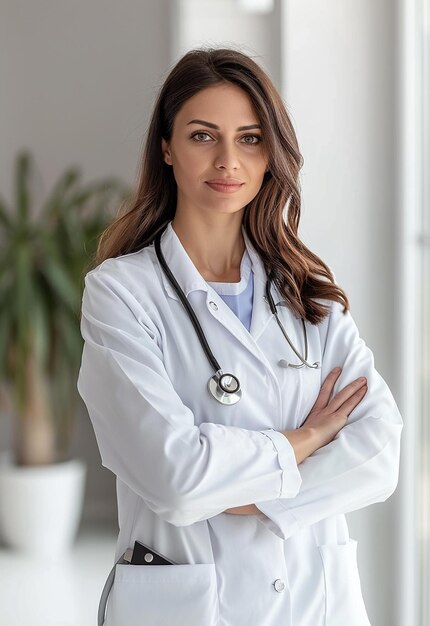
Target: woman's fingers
(327,416)
(326,389)
(346,395)
(350,404)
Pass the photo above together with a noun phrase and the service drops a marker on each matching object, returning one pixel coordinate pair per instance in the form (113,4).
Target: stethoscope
(225,387)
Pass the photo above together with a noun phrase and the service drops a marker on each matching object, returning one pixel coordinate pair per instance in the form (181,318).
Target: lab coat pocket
(344,600)
(156,595)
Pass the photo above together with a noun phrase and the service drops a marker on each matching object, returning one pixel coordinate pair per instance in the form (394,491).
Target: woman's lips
(224,188)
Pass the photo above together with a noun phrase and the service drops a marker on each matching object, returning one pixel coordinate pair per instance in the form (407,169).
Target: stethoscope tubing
(187,305)
(200,334)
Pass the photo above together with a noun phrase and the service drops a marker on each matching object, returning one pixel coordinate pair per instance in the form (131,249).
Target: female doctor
(226,381)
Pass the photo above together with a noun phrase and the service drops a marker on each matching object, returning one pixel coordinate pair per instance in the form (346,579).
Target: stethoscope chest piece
(225,388)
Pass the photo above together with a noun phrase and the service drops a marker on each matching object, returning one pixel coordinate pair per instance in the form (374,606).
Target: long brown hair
(294,269)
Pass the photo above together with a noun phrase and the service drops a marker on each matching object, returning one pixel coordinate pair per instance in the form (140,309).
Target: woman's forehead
(224,105)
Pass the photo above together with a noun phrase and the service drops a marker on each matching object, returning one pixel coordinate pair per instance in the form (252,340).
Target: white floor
(64,593)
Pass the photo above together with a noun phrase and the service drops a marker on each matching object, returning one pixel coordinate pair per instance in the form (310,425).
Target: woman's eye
(197,134)
(253,137)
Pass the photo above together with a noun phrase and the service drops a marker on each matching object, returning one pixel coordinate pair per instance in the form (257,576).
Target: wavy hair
(300,275)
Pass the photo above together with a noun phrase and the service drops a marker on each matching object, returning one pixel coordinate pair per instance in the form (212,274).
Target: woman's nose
(227,156)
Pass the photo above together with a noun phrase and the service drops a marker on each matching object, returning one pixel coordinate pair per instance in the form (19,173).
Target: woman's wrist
(246,509)
(303,440)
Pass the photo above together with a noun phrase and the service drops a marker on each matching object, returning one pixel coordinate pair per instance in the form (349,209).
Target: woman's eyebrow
(217,127)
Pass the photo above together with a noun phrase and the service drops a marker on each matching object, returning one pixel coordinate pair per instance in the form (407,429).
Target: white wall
(339,85)
(227,23)
(77,82)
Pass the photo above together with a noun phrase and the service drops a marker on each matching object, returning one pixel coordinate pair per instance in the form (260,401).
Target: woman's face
(216,148)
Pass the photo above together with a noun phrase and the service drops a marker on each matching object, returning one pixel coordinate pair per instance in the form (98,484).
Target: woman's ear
(166,152)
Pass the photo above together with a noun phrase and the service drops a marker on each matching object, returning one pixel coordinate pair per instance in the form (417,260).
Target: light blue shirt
(239,296)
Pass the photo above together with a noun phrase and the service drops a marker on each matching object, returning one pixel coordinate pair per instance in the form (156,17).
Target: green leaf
(71,339)
(5,218)
(23,296)
(23,167)
(5,334)
(61,284)
(54,204)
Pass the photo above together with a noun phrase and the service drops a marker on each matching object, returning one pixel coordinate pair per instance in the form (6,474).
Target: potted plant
(43,260)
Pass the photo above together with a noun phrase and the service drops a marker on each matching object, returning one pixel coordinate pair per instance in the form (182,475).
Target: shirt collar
(186,273)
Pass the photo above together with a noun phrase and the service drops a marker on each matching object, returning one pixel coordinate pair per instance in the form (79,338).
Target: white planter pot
(41,506)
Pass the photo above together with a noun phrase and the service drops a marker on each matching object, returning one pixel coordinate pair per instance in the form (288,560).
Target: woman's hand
(327,417)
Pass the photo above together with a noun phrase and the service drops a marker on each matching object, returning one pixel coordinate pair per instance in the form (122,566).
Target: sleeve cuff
(277,519)
(273,515)
(291,478)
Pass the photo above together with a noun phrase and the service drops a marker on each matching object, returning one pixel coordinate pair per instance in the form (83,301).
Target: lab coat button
(279,585)
(213,305)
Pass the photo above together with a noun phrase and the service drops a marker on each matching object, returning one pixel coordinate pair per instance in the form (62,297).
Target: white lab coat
(181,458)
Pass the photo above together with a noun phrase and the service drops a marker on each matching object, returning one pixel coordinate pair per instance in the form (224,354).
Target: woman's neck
(216,250)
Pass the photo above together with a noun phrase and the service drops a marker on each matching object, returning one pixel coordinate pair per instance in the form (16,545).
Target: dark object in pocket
(144,555)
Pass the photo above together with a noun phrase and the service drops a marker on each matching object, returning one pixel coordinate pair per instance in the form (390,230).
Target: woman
(241,483)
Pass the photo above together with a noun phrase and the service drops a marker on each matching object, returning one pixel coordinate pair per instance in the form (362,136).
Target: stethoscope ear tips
(282,363)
